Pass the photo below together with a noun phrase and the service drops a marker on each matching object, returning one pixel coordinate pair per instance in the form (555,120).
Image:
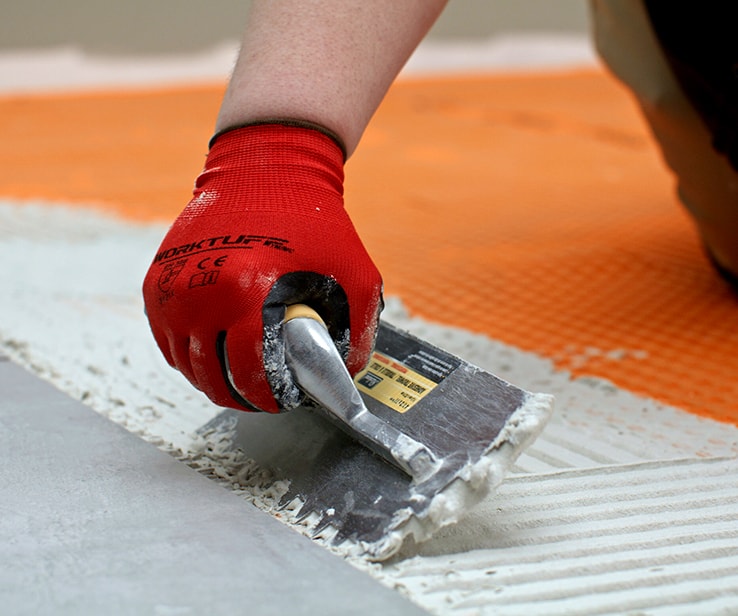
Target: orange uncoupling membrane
(534,209)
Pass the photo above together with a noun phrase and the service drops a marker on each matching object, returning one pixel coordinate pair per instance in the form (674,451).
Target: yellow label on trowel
(392,383)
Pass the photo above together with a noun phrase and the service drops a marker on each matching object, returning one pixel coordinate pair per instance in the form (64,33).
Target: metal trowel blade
(475,422)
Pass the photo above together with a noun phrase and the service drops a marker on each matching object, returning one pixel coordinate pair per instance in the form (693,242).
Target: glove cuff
(285,122)
(287,170)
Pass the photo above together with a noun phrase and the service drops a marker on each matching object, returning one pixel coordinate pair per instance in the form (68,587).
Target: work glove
(266,228)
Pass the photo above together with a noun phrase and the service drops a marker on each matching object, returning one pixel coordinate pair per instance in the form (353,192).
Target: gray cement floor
(96,521)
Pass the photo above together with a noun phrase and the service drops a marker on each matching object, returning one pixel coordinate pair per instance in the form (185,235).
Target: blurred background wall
(171,26)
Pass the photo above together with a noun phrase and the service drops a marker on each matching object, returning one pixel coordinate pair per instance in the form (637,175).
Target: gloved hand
(266,228)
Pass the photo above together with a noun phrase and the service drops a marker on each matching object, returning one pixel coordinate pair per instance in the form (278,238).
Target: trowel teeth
(303,514)
(325,522)
(325,529)
(289,504)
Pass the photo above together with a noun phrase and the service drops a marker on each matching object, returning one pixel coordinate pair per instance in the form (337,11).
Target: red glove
(266,228)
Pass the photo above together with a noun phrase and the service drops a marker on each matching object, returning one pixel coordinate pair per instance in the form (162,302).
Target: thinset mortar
(476,481)
(78,322)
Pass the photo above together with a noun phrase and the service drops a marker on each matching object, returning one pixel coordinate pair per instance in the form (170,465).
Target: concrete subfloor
(96,521)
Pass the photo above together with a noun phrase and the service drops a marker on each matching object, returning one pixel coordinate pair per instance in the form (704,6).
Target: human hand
(265,228)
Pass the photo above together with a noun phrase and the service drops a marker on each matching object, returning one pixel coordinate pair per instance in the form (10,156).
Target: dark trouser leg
(707,182)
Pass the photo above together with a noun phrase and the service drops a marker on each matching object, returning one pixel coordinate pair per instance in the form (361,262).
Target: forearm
(329,62)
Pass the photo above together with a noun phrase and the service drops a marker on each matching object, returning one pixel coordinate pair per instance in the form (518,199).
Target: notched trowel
(408,446)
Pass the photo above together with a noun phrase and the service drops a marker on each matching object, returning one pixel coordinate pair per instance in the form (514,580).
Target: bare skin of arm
(329,62)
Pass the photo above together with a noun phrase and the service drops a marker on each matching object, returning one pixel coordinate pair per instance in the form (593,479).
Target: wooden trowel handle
(295,311)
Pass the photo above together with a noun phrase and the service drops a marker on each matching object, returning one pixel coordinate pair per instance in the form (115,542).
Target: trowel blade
(476,422)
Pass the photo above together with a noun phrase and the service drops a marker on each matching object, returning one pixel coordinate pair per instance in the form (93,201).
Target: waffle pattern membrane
(532,208)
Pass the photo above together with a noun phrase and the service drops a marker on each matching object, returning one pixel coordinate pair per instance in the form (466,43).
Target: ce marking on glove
(219,262)
(209,270)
